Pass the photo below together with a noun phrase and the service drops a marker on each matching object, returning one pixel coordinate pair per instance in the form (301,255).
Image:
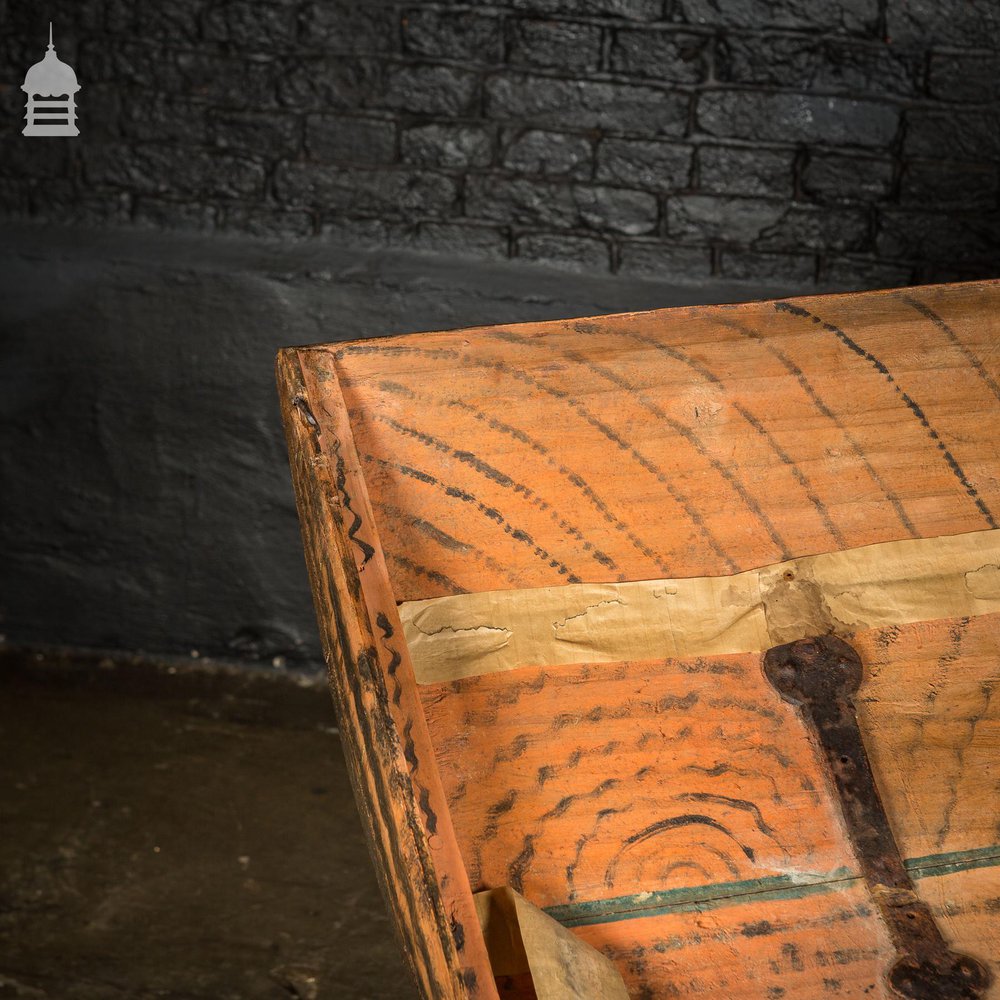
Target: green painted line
(696,899)
(954,861)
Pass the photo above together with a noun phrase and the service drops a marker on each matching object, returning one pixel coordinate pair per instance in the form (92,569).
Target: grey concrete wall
(145,500)
(853,141)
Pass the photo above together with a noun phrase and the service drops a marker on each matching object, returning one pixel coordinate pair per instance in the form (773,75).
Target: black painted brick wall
(854,142)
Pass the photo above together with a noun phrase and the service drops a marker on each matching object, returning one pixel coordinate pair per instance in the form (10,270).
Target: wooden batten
(391,761)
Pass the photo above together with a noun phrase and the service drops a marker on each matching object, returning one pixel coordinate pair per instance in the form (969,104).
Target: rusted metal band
(821,676)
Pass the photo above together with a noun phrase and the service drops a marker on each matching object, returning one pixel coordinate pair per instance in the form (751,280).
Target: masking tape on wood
(890,583)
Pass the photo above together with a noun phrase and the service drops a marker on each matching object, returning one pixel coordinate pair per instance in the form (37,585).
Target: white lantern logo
(51,88)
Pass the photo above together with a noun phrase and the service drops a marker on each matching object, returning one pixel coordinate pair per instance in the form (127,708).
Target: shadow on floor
(178,833)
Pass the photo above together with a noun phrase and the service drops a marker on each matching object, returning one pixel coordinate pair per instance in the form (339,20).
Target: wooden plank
(388,751)
(680,442)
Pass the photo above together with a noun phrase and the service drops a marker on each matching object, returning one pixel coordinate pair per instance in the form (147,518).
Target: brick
(215,174)
(938,184)
(615,107)
(832,178)
(808,227)
(738,170)
(132,63)
(565,45)
(454,147)
(158,213)
(365,234)
(706,218)
(646,164)
(269,221)
(921,236)
(330,83)
(459,239)
(537,203)
(388,193)
(340,139)
(453,35)
(765,224)
(834,121)
(519,201)
(550,153)
(78,19)
(665,262)
(676,56)
(633,10)
(251,27)
(347,27)
(255,133)
(631,212)
(119,17)
(235,83)
(854,16)
(563,251)
(179,20)
(65,203)
(863,273)
(439,90)
(820,64)
(145,117)
(84,209)
(968,76)
(972,135)
(57,192)
(786,269)
(21,158)
(874,68)
(169,170)
(923,23)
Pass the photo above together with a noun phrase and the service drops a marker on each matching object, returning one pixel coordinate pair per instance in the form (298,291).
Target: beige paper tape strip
(891,583)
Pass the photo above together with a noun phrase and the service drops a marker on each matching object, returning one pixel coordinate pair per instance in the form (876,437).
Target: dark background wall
(762,139)
(334,170)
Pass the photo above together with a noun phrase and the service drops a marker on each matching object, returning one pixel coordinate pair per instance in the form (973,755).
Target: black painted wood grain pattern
(681,442)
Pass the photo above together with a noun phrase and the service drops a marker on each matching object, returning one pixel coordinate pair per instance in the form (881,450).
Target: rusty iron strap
(820,676)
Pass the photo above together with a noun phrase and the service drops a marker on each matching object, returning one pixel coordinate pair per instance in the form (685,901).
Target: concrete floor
(172,832)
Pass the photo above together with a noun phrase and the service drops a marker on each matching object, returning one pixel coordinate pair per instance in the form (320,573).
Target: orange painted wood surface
(604,783)
(682,442)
